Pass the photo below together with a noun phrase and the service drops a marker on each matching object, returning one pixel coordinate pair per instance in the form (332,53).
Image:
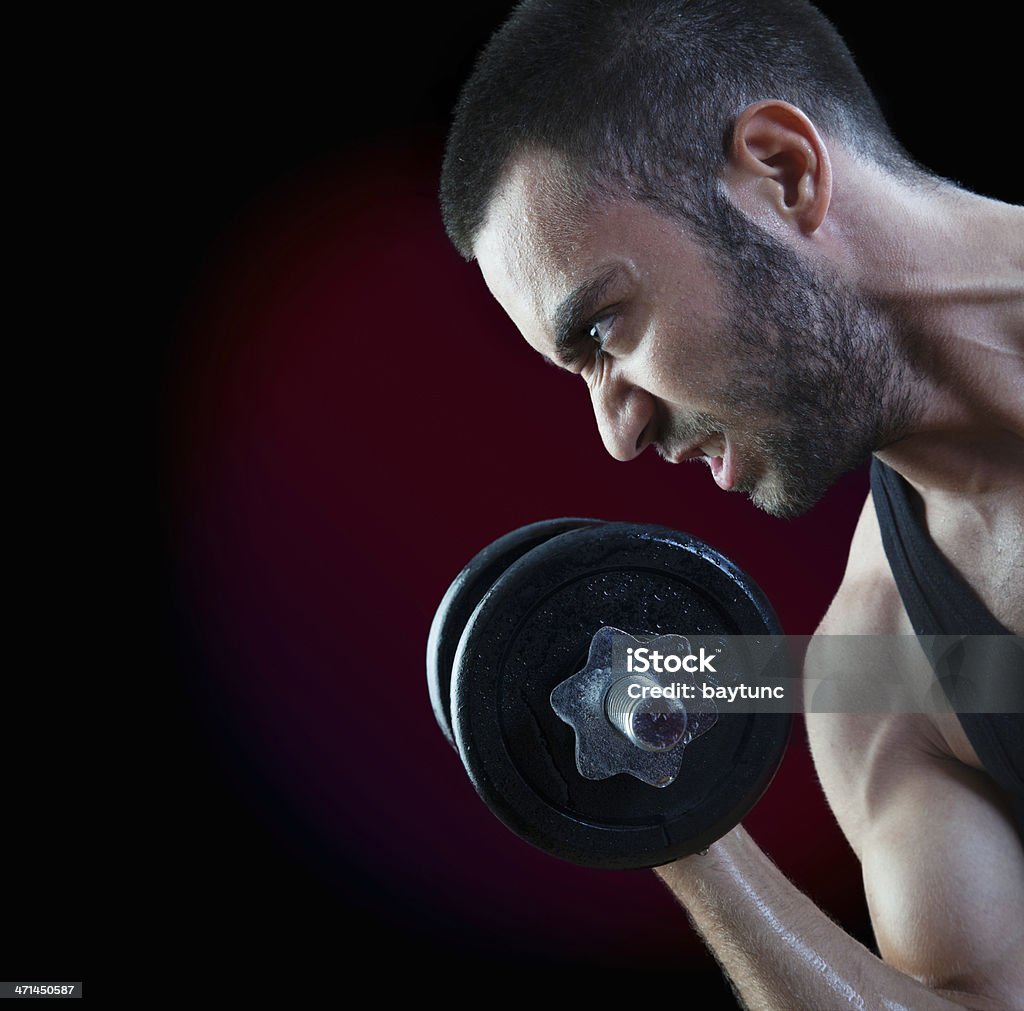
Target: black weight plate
(533,629)
(465,592)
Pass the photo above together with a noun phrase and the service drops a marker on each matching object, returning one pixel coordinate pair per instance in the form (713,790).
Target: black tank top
(941,604)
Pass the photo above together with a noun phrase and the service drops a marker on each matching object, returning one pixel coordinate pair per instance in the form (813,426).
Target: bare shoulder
(853,750)
(867,601)
(860,749)
(942,861)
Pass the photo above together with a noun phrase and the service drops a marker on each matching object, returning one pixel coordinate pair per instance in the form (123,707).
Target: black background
(225,114)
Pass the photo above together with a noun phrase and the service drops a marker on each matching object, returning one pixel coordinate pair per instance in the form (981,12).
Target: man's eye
(599,331)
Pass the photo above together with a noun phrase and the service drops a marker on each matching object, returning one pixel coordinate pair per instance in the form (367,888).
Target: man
(698,208)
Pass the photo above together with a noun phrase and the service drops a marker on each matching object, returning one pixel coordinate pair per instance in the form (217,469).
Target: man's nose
(625,418)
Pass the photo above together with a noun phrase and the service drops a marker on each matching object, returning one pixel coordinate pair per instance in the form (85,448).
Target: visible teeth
(713,449)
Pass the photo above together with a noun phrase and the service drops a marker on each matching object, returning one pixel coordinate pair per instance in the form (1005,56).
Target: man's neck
(947,267)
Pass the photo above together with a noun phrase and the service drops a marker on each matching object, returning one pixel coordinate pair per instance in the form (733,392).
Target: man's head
(584,171)
(639,97)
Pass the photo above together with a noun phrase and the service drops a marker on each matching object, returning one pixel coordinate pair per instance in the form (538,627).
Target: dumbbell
(522,684)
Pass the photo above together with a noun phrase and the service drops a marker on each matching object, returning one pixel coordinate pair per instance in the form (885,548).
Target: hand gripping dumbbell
(521,679)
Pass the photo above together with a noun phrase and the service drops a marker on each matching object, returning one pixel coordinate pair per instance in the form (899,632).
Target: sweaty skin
(942,862)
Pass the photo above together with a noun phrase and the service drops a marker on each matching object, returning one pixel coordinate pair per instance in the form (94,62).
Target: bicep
(943,872)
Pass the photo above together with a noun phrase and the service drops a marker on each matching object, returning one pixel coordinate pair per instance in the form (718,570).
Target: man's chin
(773,496)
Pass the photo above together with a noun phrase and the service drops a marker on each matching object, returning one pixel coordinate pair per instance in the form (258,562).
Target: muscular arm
(942,862)
(945,889)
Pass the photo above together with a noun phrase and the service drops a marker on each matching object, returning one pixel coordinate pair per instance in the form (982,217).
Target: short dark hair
(640,97)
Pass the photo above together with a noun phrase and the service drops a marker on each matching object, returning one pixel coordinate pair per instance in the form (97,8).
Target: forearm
(779,949)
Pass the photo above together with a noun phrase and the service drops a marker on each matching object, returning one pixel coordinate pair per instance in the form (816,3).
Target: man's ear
(779,167)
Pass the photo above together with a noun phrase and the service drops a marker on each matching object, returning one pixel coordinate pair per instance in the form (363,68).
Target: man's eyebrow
(575,311)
